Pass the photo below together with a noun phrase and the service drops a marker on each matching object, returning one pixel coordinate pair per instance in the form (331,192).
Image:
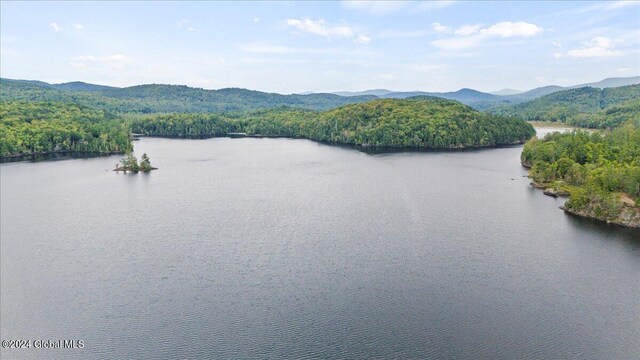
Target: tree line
(47,127)
(422,122)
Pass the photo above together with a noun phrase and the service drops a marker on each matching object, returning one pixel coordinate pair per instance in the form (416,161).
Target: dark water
(271,248)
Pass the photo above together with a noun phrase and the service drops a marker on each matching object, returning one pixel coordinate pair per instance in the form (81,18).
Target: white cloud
(599,46)
(440,28)
(376,7)
(320,27)
(507,29)
(256,19)
(191,28)
(469,36)
(55,26)
(78,26)
(592,52)
(362,39)
(467,30)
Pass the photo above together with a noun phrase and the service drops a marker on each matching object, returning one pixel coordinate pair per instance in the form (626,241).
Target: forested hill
(586,107)
(146,99)
(48,127)
(420,122)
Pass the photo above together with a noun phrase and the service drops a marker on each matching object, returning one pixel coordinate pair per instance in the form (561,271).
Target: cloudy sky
(322,46)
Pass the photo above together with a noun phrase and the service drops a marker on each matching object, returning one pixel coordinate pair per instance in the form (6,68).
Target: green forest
(182,125)
(39,127)
(45,127)
(600,170)
(421,122)
(583,107)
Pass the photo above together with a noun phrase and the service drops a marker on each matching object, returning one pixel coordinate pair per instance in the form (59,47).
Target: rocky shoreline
(629,216)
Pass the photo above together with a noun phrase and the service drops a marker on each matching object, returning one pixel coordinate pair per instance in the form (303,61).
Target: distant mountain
(375,92)
(532,94)
(546,90)
(81,86)
(507,92)
(585,106)
(466,96)
(158,98)
(612,82)
(470,97)
(506,97)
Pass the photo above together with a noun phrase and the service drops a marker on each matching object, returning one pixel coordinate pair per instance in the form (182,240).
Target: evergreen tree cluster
(130,163)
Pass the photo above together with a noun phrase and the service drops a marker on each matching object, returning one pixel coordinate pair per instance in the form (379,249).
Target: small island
(130,163)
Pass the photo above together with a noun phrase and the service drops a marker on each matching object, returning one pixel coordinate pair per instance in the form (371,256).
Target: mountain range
(159,98)
(483,100)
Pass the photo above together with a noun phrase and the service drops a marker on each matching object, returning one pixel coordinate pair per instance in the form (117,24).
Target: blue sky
(322,46)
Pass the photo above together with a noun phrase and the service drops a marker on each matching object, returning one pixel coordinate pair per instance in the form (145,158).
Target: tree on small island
(130,163)
(145,163)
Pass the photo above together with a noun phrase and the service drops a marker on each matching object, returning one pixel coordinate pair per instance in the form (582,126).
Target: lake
(272,248)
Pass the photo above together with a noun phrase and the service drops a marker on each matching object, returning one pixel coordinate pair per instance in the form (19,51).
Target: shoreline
(363,147)
(633,221)
(610,222)
(553,124)
(56,155)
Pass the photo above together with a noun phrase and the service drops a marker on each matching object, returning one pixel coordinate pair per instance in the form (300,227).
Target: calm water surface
(271,248)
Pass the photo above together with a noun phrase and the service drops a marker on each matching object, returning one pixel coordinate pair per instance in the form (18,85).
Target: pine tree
(145,163)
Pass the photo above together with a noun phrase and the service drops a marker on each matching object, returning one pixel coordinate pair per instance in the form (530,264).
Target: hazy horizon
(288,47)
(320,92)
